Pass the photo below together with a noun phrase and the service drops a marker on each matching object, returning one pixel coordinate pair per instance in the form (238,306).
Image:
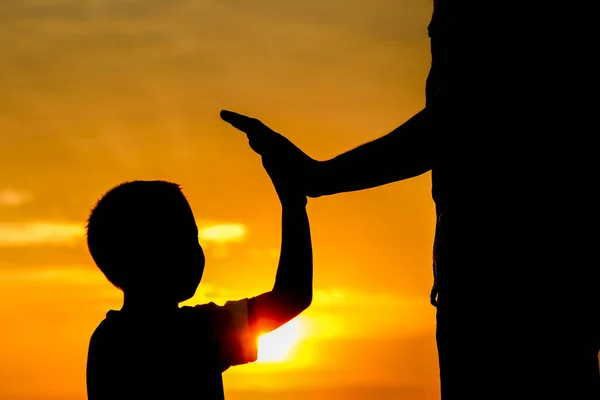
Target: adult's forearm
(404,153)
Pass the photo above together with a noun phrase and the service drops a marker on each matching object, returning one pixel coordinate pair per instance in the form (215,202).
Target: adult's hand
(278,152)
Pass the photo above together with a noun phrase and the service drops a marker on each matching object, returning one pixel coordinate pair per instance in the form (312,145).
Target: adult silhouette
(515,277)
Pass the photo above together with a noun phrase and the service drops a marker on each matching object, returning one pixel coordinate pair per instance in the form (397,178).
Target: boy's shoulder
(223,334)
(200,316)
(230,306)
(118,318)
(122,329)
(233,312)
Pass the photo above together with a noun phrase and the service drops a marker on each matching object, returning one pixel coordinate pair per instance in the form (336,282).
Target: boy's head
(144,238)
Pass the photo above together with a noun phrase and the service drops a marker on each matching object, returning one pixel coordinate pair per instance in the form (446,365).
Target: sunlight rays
(277,346)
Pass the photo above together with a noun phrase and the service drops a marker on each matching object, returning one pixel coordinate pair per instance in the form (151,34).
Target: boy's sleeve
(236,337)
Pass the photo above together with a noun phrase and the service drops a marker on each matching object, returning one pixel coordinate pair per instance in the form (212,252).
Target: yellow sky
(95,92)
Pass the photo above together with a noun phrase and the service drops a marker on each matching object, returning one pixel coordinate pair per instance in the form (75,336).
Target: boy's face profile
(184,259)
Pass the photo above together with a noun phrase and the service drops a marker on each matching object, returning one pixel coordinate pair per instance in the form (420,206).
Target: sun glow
(277,345)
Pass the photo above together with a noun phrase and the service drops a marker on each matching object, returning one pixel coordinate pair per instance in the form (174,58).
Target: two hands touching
(401,154)
(289,168)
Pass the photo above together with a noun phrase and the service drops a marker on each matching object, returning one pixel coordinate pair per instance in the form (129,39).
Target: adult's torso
(507,109)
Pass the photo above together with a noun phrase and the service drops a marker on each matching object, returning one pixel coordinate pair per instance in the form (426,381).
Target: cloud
(67,233)
(32,233)
(13,198)
(222,233)
(217,237)
(79,275)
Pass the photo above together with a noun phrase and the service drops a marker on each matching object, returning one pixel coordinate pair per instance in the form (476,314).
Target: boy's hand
(285,180)
(282,159)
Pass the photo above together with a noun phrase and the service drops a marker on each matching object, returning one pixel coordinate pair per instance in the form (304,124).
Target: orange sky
(95,92)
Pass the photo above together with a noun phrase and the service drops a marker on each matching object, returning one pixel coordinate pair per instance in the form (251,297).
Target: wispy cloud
(32,233)
(12,198)
(80,275)
(67,233)
(222,233)
(218,237)
(91,277)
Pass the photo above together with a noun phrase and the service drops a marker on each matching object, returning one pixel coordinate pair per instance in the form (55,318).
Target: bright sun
(276,346)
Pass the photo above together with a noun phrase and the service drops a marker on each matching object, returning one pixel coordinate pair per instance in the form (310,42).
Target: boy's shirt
(179,354)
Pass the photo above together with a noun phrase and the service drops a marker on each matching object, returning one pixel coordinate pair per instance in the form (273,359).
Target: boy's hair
(126,225)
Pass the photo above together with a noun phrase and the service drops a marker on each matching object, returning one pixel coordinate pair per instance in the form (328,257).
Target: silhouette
(503,134)
(143,237)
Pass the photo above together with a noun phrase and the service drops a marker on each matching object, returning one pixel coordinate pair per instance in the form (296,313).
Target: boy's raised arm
(292,291)
(241,322)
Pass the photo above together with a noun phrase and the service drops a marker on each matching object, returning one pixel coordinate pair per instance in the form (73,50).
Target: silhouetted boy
(143,237)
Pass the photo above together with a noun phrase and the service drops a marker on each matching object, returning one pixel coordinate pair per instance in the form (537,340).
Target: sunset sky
(96,92)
